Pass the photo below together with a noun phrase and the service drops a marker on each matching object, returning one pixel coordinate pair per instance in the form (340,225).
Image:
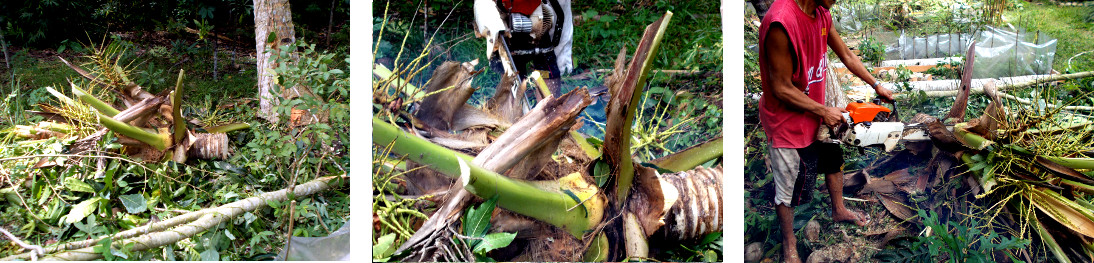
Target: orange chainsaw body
(864,111)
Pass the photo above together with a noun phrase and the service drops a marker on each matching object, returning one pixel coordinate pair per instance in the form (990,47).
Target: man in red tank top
(794,40)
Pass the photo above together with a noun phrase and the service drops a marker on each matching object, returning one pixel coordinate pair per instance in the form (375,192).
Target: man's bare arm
(854,64)
(778,52)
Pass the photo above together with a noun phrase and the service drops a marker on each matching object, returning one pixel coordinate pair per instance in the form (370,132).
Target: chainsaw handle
(893,116)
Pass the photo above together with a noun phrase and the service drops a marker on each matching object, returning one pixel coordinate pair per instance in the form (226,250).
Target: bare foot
(846,215)
(790,251)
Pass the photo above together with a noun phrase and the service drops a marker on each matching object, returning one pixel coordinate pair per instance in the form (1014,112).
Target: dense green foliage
(39,23)
(101,193)
(104,191)
(872,51)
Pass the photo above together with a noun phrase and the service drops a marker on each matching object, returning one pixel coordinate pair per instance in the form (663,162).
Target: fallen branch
(978,84)
(155,235)
(1049,105)
(35,250)
(218,36)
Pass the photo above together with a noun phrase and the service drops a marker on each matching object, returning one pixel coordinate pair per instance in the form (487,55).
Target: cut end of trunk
(465,171)
(210,146)
(698,210)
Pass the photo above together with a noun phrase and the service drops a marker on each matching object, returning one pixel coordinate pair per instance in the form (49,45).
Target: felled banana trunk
(210,146)
(697,210)
(674,206)
(176,143)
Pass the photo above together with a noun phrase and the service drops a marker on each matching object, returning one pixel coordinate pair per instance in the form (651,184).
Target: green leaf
(274,204)
(477,219)
(82,210)
(103,248)
(494,241)
(607,18)
(384,247)
(76,185)
(978,166)
(119,253)
(210,255)
(589,14)
(710,256)
(272,37)
(601,172)
(710,238)
(595,142)
(44,194)
(134,203)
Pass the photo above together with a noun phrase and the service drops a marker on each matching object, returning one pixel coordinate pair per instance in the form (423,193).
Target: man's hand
(885,94)
(488,24)
(833,116)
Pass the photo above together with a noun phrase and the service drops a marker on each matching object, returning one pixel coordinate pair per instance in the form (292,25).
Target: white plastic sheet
(329,248)
(999,52)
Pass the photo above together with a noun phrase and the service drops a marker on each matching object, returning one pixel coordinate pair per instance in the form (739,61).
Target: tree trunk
(833,92)
(273,21)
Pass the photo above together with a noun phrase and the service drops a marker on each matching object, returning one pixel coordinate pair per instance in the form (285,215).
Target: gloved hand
(488,24)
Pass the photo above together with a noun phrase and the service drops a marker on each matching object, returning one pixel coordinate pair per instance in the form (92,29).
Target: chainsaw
(869,124)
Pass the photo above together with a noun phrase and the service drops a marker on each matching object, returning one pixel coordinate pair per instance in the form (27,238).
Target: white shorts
(796,170)
(785,163)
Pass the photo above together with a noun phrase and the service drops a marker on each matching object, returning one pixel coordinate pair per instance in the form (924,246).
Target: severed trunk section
(508,100)
(451,87)
(957,111)
(698,210)
(211,146)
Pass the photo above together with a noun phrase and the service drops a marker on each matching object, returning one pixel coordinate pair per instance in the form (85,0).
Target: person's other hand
(833,116)
(885,94)
(488,23)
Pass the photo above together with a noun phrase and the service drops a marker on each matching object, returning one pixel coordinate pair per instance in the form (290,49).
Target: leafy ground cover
(52,197)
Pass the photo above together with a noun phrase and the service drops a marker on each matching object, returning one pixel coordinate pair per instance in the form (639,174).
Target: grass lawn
(1070,25)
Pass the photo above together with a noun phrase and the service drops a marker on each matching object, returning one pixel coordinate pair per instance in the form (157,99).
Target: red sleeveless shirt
(785,126)
(526,7)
